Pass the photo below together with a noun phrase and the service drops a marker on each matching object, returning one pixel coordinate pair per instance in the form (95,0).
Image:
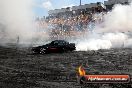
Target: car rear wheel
(42,51)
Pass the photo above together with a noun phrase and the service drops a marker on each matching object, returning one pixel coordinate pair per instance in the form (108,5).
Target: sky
(41,7)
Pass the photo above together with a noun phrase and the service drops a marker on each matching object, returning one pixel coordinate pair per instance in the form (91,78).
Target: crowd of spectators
(64,26)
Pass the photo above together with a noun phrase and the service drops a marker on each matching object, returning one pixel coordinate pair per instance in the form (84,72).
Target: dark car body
(55,46)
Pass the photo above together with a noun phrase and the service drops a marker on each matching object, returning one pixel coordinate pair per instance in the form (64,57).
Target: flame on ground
(81,71)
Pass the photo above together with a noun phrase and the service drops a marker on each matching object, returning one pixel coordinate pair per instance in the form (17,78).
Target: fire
(81,71)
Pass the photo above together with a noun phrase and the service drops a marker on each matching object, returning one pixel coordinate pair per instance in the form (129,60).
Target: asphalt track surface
(19,68)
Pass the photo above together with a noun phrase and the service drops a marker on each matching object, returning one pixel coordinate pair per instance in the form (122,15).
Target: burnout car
(55,46)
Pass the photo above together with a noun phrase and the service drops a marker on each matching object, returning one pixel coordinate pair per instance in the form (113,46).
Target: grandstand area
(73,21)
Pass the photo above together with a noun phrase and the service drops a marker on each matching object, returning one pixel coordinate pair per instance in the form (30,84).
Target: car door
(53,46)
(62,45)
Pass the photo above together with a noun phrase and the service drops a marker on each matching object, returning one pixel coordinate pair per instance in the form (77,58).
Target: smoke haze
(118,20)
(113,32)
(16,20)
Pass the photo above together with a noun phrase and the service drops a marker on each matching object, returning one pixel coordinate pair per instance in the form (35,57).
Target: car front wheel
(42,51)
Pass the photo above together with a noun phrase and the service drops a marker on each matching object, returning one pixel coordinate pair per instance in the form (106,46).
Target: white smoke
(118,20)
(16,20)
(113,32)
(93,44)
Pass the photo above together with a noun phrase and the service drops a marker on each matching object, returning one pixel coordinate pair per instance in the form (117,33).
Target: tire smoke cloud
(16,21)
(114,32)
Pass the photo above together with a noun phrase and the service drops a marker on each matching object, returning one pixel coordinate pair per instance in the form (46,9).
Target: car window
(52,43)
(56,42)
(61,43)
